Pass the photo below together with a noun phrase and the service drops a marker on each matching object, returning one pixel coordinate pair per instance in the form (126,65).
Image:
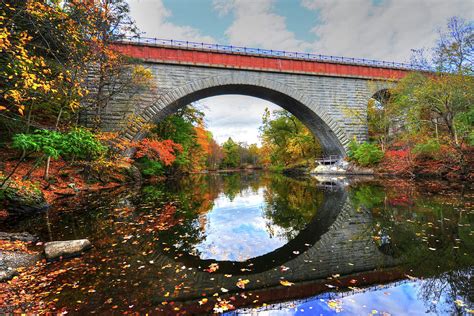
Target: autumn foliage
(164,151)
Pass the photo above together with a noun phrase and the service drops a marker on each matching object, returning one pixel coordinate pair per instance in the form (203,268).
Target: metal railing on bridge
(328,160)
(270,53)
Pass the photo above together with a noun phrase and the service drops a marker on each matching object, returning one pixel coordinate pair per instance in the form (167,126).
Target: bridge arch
(332,137)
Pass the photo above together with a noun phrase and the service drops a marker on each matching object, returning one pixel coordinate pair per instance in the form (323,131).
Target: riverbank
(28,187)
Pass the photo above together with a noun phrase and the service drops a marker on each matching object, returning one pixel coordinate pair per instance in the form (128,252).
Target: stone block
(68,248)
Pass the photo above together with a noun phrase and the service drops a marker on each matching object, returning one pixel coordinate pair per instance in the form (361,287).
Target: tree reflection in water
(285,206)
(429,228)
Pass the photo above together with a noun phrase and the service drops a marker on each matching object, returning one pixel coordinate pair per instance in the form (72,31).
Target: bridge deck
(201,54)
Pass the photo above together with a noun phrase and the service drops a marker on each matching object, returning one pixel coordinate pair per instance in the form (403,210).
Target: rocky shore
(15,252)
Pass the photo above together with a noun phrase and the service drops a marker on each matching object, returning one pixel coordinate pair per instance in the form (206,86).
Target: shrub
(77,143)
(45,141)
(277,168)
(365,154)
(428,149)
(150,167)
(82,144)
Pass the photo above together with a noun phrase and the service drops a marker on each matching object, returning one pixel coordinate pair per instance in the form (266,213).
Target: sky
(375,29)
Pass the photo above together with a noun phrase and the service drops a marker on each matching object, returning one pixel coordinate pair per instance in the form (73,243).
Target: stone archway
(331,136)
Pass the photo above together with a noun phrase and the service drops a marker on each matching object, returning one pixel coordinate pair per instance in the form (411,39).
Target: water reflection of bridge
(289,304)
(345,247)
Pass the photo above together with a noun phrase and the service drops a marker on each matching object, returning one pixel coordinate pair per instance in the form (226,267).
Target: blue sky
(202,15)
(377,29)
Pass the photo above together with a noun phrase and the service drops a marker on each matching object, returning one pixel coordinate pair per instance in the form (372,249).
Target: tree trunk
(28,120)
(46,171)
(59,117)
(23,155)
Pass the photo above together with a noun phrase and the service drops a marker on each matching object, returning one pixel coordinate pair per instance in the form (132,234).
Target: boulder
(20,204)
(10,261)
(67,248)
(26,237)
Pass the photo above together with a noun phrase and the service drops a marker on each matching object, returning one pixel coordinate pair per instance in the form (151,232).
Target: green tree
(436,108)
(254,153)
(231,154)
(289,141)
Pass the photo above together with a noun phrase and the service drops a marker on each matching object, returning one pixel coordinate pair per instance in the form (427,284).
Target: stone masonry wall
(334,108)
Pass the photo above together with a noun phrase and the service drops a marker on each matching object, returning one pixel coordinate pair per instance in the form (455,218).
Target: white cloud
(388,31)
(152,19)
(350,28)
(256,25)
(235,116)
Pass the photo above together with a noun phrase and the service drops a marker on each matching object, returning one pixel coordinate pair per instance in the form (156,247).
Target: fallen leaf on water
(203,301)
(410,277)
(286,283)
(224,290)
(459,303)
(241,283)
(213,267)
(223,306)
(335,305)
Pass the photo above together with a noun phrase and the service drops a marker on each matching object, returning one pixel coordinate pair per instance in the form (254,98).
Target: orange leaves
(223,306)
(241,283)
(164,151)
(13,245)
(202,138)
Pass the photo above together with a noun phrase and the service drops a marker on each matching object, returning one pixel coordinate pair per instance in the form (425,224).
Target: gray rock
(21,204)
(24,236)
(10,261)
(67,248)
(7,274)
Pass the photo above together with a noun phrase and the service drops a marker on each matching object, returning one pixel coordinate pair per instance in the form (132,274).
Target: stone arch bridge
(328,94)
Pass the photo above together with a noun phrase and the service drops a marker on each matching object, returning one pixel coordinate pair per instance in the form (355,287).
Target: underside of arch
(332,139)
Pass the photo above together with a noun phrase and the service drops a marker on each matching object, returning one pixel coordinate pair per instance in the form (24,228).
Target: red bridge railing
(269,53)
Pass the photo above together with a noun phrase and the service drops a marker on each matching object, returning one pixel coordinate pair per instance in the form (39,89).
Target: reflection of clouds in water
(237,230)
(401,299)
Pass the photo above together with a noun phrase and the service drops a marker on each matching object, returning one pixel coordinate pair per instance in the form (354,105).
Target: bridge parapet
(242,50)
(223,56)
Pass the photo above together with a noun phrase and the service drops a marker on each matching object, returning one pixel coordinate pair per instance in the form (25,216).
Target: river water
(255,242)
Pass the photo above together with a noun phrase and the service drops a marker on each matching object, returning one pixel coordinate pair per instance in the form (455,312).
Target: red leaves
(390,154)
(164,151)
